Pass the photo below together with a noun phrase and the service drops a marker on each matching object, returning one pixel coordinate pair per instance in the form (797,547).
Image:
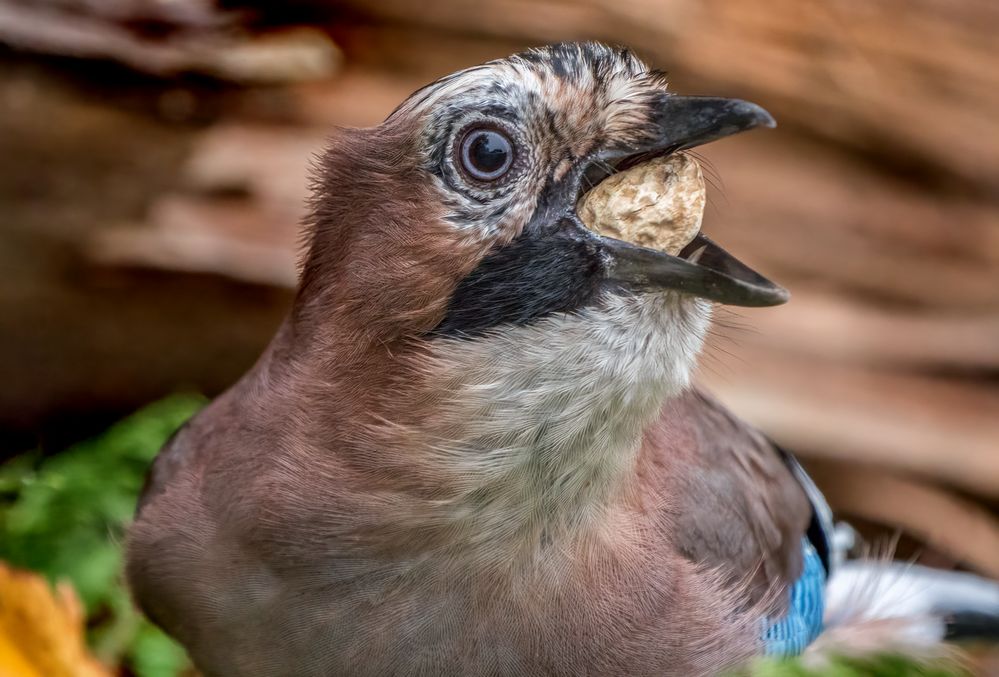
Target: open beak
(702,268)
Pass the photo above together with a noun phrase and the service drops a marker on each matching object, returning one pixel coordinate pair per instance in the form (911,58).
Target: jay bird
(473,447)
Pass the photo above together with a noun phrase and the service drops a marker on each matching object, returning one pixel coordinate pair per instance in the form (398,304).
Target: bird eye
(486,154)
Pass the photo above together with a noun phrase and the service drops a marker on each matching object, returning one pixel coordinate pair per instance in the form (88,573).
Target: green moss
(65,517)
(876,666)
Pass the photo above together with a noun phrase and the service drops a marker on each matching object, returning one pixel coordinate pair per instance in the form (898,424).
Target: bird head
(457,301)
(457,215)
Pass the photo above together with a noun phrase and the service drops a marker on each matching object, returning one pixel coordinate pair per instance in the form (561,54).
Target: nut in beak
(658,203)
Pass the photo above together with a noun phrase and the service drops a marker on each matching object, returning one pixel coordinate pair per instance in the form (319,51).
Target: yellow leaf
(41,629)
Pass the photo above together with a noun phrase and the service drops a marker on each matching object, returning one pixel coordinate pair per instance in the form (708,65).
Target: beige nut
(657,204)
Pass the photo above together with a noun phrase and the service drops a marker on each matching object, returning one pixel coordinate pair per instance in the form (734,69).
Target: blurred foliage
(878,666)
(65,516)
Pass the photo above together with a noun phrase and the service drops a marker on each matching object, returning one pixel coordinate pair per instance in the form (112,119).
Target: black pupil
(487,154)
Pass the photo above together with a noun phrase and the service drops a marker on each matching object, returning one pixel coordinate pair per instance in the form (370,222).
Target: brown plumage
(473,448)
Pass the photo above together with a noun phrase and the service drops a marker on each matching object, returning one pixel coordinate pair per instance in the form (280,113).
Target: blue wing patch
(803,622)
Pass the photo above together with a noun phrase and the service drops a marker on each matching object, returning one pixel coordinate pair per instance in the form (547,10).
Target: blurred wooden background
(155,162)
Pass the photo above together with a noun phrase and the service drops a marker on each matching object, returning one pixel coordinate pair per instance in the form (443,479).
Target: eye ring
(485,153)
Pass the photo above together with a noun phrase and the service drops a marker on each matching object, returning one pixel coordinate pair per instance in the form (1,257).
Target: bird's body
(563,570)
(473,447)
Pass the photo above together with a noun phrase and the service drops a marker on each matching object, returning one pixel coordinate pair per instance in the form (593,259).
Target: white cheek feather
(541,424)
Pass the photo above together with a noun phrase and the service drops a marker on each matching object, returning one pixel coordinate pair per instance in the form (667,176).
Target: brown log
(191,235)
(240,215)
(197,37)
(840,327)
(944,521)
(945,430)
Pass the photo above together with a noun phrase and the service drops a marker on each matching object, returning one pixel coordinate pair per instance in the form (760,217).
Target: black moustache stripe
(532,277)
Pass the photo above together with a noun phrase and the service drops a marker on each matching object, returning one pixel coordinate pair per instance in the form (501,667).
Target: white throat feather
(541,424)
